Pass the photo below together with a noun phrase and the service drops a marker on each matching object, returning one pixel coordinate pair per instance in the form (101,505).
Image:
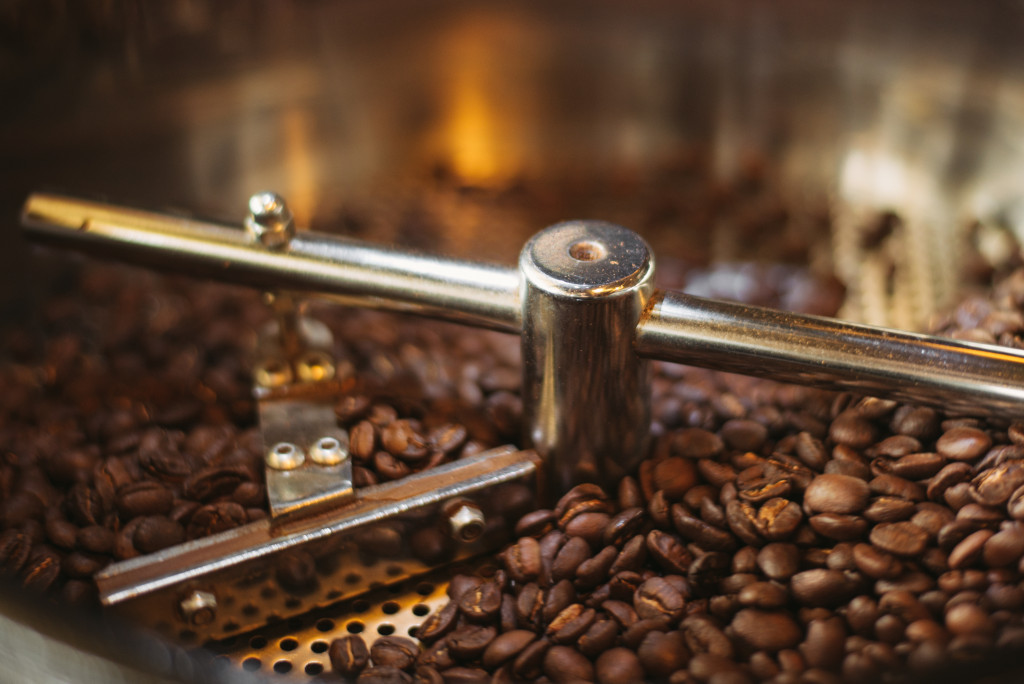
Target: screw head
(199,607)
(270,220)
(272,373)
(315,366)
(467,521)
(285,456)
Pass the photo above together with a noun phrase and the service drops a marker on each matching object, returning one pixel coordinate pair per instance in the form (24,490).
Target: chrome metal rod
(967,378)
(360,273)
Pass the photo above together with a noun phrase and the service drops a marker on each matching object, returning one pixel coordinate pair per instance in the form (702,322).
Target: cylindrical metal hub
(586,394)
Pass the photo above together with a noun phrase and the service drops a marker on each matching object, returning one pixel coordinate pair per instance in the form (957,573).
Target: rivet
(285,456)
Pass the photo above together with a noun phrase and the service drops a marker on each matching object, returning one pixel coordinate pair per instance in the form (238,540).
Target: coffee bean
(214,518)
(469,642)
(851,429)
(662,653)
(439,623)
(215,481)
(15,548)
(656,598)
(889,509)
(899,538)
(824,645)
(742,519)
(96,539)
(779,561)
(144,498)
(618,666)
(563,665)
(963,443)
(383,675)
(594,571)
(481,603)
(668,552)
(529,663)
(837,494)
(696,443)
(535,523)
(778,519)
(1005,547)
(766,630)
(969,551)
(674,476)
(823,587)
(623,526)
(994,487)
(570,624)
(522,560)
(575,551)
(598,638)
(763,595)
(875,563)
(41,570)
(154,533)
(839,527)
(506,647)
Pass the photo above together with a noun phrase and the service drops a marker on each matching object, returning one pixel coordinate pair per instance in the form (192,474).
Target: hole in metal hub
(588,250)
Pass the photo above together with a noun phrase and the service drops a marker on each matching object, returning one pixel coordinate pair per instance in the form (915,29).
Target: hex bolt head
(199,607)
(270,221)
(272,373)
(467,521)
(285,456)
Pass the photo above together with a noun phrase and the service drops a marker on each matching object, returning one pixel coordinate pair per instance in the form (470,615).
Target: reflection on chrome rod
(584,284)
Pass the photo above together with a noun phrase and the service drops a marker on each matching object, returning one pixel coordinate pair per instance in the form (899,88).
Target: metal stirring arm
(583,301)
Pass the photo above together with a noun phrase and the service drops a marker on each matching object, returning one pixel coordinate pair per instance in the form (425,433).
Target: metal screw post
(199,607)
(467,521)
(270,220)
(586,394)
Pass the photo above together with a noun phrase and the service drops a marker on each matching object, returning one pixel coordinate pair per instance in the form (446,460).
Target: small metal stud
(285,456)
(199,607)
(314,366)
(328,451)
(270,221)
(467,521)
(272,373)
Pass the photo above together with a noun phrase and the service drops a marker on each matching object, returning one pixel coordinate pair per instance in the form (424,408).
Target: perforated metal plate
(296,650)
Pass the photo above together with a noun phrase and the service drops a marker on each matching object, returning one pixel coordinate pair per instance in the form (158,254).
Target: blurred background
(464,127)
(874,147)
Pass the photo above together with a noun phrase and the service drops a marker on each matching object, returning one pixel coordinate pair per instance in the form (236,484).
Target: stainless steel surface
(573,354)
(358,272)
(586,395)
(961,377)
(269,570)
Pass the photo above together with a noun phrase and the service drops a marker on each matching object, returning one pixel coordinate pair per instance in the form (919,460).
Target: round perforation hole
(355,627)
(251,664)
(424,588)
(289,644)
(314,669)
(390,608)
(319,647)
(385,629)
(324,625)
(283,666)
(421,610)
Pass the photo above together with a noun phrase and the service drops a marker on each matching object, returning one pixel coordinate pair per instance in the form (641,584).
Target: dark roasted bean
(563,664)
(900,538)
(766,630)
(468,642)
(506,647)
(656,598)
(214,518)
(481,603)
(837,494)
(662,653)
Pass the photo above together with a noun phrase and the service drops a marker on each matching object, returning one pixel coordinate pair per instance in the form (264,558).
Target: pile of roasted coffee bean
(127,425)
(774,534)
